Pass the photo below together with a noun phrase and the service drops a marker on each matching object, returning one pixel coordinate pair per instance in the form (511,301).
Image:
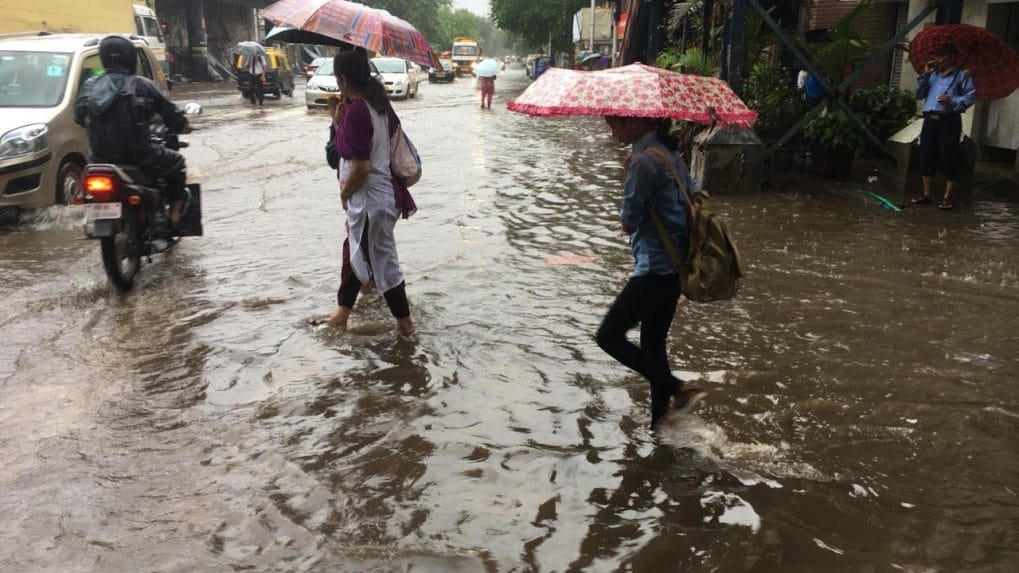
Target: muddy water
(862,414)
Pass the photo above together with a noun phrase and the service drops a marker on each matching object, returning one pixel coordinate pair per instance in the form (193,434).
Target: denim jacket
(649,184)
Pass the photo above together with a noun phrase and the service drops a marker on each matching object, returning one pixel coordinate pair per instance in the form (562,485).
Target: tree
(453,23)
(535,21)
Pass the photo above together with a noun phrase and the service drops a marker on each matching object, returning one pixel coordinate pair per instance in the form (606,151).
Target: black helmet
(118,54)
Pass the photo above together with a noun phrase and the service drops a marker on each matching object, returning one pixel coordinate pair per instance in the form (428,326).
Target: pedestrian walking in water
(256,69)
(487,90)
(946,91)
(652,292)
(372,198)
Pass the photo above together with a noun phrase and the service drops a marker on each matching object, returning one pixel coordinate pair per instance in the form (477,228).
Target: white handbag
(404,161)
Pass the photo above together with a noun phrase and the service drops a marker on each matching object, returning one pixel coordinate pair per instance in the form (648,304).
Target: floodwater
(862,415)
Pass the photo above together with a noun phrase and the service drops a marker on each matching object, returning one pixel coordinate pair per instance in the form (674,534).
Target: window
(32,79)
(144,68)
(152,28)
(91,66)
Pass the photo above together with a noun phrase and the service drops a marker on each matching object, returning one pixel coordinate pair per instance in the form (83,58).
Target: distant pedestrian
(373,199)
(652,293)
(946,91)
(255,67)
(487,90)
(813,91)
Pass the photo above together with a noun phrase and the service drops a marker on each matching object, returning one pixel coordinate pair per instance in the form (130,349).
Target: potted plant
(885,110)
(833,137)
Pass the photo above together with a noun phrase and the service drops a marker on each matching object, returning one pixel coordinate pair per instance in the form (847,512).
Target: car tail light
(100,187)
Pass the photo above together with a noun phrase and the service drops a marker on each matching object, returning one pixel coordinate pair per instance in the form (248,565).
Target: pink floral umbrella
(356,24)
(634,90)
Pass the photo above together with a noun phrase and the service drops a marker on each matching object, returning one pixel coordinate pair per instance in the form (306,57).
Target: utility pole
(591,42)
(614,30)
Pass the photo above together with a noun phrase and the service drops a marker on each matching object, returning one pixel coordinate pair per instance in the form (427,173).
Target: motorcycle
(126,211)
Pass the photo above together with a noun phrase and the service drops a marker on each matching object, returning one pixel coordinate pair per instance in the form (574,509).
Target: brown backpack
(713,266)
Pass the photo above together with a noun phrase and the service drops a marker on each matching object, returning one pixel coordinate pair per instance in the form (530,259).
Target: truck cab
(466,55)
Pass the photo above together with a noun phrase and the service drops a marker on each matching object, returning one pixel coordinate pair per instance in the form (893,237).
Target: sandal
(921,200)
(946,205)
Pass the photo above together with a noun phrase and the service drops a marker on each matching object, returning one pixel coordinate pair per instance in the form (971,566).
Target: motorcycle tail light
(100,187)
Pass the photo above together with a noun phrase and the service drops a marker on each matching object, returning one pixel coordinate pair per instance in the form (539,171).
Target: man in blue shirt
(946,91)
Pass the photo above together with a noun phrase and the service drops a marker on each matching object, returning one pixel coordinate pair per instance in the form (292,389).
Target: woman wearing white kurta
(368,194)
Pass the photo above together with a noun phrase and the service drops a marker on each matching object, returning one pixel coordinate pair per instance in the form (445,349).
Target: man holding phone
(946,91)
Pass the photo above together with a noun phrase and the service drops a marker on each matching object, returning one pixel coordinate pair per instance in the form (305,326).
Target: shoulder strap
(670,248)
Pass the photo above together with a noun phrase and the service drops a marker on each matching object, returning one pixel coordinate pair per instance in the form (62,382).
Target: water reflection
(861,413)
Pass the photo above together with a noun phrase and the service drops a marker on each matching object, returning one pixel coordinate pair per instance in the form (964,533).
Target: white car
(400,77)
(322,85)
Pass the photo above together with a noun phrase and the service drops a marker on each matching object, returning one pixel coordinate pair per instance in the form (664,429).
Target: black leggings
(651,301)
(350,286)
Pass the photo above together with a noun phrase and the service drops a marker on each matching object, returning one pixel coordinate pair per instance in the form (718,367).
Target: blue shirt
(956,84)
(649,184)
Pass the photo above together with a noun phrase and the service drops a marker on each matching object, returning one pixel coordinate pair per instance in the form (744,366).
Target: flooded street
(863,412)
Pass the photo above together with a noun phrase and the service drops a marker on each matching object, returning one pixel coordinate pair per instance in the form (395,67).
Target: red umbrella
(356,24)
(635,90)
(992,64)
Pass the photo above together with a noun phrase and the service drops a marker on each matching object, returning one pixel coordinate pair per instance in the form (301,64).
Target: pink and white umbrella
(635,90)
(355,24)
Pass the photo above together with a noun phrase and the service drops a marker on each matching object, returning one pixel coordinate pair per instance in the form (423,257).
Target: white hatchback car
(400,77)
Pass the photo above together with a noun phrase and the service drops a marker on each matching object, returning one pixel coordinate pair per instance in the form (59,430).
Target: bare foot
(406,327)
(337,320)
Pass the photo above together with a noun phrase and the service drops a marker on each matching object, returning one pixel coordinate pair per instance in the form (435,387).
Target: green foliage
(668,58)
(697,63)
(534,21)
(453,23)
(844,48)
(833,129)
(885,110)
(692,61)
(771,92)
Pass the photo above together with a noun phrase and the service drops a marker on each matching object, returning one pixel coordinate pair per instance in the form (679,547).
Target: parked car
(529,64)
(309,69)
(322,85)
(42,150)
(279,76)
(443,74)
(399,76)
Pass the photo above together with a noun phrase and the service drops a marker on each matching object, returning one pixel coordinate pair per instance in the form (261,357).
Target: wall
(102,16)
(876,25)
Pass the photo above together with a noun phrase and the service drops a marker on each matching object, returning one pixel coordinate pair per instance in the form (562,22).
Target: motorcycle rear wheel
(122,253)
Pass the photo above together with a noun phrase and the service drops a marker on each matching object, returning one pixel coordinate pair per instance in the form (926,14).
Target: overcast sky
(479,7)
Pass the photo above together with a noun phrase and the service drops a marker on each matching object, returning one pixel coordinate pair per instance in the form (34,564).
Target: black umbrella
(298,36)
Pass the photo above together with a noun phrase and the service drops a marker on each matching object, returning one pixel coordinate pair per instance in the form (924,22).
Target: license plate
(99,211)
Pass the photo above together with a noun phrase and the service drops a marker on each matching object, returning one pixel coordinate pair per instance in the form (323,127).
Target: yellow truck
(466,55)
(95,16)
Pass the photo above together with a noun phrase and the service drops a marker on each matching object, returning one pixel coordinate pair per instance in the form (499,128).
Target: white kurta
(373,207)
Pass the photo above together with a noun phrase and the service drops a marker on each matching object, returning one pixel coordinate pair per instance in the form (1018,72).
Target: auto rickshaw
(278,78)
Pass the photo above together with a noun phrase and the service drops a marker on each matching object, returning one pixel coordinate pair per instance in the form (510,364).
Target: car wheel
(68,182)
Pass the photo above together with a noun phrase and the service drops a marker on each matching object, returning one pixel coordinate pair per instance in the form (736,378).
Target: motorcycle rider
(116,109)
